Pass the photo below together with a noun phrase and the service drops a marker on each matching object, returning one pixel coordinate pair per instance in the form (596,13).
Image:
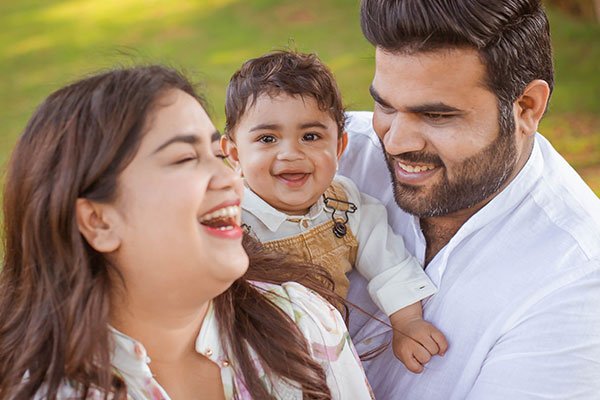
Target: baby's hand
(416,340)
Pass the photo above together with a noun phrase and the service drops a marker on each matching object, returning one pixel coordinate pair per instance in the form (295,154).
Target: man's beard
(476,179)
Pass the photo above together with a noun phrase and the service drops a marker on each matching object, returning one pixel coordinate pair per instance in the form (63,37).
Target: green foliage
(45,44)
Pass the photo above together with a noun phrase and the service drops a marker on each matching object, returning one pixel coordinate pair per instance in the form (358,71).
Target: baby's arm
(397,282)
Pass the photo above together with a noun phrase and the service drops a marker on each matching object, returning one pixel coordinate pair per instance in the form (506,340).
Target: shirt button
(225,363)
(208,352)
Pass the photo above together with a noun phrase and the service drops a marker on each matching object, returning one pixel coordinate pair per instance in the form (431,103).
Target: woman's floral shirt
(321,324)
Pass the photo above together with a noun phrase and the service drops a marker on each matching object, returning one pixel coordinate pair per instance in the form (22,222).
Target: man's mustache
(417,158)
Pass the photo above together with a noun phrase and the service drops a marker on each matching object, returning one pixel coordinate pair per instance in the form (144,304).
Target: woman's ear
(531,105)
(342,143)
(97,225)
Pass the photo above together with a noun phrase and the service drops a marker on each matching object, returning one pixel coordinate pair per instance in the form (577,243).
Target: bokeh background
(47,43)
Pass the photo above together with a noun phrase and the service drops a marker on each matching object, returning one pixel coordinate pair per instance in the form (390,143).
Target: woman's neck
(168,334)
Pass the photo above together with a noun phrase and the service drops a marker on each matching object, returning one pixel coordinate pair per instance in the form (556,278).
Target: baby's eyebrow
(313,124)
(269,127)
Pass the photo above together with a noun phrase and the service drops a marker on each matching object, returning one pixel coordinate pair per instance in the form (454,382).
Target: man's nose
(403,135)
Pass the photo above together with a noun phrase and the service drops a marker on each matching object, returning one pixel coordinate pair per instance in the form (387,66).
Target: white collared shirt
(518,286)
(320,323)
(396,278)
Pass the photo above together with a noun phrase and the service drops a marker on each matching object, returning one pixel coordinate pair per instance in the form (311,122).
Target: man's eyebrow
(216,135)
(313,124)
(190,139)
(433,108)
(260,127)
(438,107)
(378,98)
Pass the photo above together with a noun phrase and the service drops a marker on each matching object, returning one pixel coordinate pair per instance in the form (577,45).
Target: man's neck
(438,231)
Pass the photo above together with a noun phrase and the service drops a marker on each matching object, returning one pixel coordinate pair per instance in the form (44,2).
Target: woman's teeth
(229,214)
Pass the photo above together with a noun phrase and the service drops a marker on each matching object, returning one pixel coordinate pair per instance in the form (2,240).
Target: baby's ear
(342,143)
(98,223)
(229,149)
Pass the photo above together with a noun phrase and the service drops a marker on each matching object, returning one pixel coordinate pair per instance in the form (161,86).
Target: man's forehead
(444,72)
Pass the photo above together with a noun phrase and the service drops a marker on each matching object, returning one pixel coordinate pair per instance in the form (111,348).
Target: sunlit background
(45,44)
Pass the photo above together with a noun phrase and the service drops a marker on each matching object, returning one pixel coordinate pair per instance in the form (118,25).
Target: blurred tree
(587,9)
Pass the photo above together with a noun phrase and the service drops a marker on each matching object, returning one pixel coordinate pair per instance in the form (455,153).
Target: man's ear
(530,106)
(342,143)
(97,224)
(229,149)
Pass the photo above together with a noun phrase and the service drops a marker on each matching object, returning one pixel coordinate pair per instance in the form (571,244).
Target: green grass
(45,44)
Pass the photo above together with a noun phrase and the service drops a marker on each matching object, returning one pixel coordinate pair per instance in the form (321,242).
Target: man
(505,228)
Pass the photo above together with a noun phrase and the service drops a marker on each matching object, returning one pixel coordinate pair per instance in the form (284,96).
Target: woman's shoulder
(316,318)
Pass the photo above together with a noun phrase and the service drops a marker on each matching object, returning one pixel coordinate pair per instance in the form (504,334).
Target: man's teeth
(417,168)
(226,212)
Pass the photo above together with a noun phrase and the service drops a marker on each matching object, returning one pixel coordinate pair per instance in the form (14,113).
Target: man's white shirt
(518,286)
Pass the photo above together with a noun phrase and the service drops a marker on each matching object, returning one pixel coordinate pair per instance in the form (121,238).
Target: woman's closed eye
(185,159)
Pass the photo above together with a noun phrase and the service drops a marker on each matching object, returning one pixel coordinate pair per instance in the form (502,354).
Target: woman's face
(178,209)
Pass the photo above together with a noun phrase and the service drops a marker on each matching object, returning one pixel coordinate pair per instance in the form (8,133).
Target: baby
(285,131)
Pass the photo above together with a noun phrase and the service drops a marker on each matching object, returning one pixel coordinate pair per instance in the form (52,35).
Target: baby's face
(288,150)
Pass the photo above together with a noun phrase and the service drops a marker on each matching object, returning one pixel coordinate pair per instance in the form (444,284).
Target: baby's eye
(310,137)
(267,139)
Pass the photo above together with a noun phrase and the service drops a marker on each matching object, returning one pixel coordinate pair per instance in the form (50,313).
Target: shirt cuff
(392,291)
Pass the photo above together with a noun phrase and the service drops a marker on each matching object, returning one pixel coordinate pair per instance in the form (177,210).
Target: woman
(124,271)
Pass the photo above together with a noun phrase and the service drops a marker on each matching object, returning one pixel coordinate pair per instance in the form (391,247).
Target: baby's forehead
(309,101)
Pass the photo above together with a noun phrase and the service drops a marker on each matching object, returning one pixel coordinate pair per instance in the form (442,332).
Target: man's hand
(415,340)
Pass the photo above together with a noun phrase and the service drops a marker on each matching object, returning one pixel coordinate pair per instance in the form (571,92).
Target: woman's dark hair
(511,36)
(54,288)
(288,72)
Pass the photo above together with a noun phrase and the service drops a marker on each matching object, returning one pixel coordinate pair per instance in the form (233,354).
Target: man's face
(438,124)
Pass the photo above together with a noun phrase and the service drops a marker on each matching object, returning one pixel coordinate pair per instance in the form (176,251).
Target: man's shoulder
(567,201)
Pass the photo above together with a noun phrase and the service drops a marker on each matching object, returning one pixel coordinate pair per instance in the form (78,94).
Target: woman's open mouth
(223,222)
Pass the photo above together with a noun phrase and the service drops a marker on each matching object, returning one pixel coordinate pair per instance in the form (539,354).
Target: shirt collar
(130,356)
(271,217)
(502,204)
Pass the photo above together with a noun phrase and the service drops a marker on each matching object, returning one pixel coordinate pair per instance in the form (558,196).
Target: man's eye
(310,137)
(437,116)
(267,139)
(385,109)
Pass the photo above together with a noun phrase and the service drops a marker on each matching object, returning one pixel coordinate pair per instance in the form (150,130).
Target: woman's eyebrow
(189,139)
